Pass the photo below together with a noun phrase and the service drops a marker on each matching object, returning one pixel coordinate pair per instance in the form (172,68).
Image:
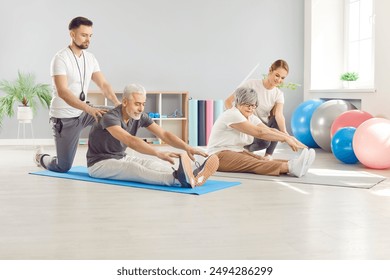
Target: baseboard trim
(26,142)
(33,142)
(50,142)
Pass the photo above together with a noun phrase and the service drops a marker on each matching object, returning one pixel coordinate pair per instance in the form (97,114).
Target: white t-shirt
(64,63)
(223,137)
(266,98)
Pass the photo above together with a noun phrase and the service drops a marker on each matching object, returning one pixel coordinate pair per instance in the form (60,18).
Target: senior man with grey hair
(116,131)
(237,127)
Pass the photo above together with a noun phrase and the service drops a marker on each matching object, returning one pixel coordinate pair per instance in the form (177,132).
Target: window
(342,40)
(359,40)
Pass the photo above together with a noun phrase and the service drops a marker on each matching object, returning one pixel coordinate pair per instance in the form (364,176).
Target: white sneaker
(268,157)
(310,160)
(296,167)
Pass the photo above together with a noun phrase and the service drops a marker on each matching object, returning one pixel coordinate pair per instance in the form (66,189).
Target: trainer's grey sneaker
(204,171)
(296,167)
(184,172)
(37,157)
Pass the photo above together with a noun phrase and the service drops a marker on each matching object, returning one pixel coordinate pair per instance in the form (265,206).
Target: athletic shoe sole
(37,156)
(299,170)
(310,160)
(209,167)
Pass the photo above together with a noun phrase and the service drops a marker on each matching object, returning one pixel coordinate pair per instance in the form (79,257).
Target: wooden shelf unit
(172,107)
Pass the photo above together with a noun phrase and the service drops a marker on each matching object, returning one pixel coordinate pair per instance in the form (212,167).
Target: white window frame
(327,46)
(366,72)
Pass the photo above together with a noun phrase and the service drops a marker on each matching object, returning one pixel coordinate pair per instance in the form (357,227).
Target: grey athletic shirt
(102,145)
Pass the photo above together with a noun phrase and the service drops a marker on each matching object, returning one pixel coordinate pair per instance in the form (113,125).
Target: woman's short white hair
(133,88)
(244,95)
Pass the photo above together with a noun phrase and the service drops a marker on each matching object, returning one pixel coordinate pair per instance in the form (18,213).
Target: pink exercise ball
(352,118)
(371,143)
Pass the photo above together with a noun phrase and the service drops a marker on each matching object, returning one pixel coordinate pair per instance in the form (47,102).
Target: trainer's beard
(81,47)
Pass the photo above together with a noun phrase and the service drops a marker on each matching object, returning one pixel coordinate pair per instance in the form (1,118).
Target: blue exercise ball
(300,121)
(342,145)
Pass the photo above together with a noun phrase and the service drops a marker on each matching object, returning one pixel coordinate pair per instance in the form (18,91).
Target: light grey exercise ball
(322,120)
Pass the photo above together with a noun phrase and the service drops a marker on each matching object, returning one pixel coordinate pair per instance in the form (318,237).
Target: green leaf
(25,91)
(349,76)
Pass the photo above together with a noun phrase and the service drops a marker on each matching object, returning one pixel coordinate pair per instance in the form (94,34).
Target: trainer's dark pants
(260,144)
(66,132)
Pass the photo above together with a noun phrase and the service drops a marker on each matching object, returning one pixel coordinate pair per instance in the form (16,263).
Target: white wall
(205,46)
(378,103)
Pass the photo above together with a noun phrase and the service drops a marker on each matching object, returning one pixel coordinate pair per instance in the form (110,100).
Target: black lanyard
(82,81)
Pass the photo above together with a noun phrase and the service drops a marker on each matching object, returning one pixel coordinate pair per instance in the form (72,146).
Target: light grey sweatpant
(131,168)
(66,133)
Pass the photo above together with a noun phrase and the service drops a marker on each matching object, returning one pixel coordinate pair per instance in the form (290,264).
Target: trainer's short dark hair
(76,22)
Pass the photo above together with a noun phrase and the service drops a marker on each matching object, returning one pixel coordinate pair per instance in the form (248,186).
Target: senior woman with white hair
(237,127)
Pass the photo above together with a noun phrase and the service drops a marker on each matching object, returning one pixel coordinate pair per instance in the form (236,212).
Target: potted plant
(349,77)
(292,86)
(27,93)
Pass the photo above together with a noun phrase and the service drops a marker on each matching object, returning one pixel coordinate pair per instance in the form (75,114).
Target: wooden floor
(49,218)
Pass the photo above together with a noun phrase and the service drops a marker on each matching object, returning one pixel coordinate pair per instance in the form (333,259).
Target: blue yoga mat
(81,173)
